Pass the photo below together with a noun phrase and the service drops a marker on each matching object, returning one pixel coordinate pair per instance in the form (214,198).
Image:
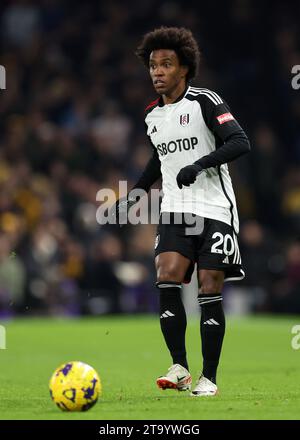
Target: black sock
(173,320)
(212,329)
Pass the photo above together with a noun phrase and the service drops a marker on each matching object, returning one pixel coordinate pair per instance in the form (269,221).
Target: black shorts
(215,247)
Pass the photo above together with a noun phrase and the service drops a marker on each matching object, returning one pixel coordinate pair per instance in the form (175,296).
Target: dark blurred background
(71,121)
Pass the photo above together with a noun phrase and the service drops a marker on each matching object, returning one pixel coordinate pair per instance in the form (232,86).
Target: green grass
(259,375)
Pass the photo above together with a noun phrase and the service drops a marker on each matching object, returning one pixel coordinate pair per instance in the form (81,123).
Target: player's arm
(149,176)
(231,140)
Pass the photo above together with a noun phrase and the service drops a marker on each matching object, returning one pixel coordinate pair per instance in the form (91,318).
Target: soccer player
(194,135)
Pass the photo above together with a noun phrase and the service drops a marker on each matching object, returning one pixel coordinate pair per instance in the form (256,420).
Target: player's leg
(219,260)
(212,323)
(212,327)
(171,269)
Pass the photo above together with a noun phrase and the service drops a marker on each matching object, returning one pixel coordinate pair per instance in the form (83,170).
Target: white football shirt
(183,132)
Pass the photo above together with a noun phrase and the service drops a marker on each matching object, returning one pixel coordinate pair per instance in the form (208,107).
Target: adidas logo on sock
(211,322)
(167,314)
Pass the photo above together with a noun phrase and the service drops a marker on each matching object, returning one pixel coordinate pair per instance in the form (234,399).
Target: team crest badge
(184,119)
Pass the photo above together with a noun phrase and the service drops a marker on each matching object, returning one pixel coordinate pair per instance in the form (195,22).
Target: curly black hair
(181,40)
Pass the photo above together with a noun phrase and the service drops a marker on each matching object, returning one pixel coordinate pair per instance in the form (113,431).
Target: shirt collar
(162,104)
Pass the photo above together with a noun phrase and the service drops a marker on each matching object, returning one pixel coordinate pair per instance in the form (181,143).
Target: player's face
(166,72)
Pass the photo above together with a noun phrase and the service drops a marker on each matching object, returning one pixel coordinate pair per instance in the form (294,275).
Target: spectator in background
(111,130)
(140,249)
(291,199)
(286,292)
(21,23)
(12,278)
(267,165)
(100,285)
(260,251)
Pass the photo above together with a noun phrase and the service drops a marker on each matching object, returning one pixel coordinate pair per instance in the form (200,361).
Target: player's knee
(168,273)
(211,282)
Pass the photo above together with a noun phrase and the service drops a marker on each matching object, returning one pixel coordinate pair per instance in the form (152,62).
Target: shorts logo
(184,119)
(156,241)
(225,118)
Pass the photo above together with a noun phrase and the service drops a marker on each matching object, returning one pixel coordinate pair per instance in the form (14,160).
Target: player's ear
(184,71)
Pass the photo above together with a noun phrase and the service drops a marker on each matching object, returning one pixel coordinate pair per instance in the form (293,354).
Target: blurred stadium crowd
(71,122)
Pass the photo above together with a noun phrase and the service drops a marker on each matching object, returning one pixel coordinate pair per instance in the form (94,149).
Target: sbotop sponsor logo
(136,207)
(2,337)
(295,342)
(2,78)
(296,77)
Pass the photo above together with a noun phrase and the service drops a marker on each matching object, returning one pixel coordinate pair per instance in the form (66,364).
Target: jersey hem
(219,218)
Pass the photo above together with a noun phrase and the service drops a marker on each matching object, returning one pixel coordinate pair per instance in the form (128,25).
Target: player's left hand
(188,175)
(118,213)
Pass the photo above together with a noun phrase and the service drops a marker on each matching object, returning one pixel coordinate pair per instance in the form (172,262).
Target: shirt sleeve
(152,170)
(231,140)
(217,115)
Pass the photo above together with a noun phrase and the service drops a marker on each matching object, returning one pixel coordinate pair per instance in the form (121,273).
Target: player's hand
(188,175)
(119,211)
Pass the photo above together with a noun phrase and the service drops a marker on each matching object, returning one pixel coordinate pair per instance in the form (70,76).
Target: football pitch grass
(259,375)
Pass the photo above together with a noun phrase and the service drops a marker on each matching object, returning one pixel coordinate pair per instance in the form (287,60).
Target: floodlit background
(71,121)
